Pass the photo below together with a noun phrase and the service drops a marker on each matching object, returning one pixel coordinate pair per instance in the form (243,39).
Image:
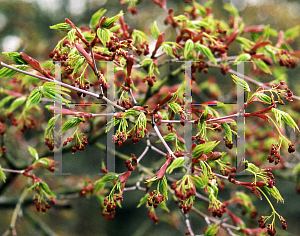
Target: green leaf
(98,187)
(168,49)
(163,206)
(204,148)
(15,56)
(231,9)
(169,137)
(188,47)
(264,98)
(274,192)
(33,186)
(62,26)
(228,132)
(79,62)
(242,57)
(200,8)
(174,107)
(138,36)
(263,66)
(96,18)
(5,100)
(51,91)
(154,30)
(103,35)
(2,175)
(178,162)
(180,18)
(131,112)
(143,200)
(110,21)
(240,82)
(199,181)
(71,123)
(15,104)
(6,72)
(163,186)
(110,177)
(281,115)
(33,152)
(51,124)
(212,230)
(205,51)
(45,188)
(34,98)
(292,32)
(253,168)
(71,36)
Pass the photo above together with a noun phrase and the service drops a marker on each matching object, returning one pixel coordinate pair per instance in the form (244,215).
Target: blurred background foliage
(24,26)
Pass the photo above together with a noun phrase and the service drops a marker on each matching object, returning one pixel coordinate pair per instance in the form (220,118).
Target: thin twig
(12,228)
(62,84)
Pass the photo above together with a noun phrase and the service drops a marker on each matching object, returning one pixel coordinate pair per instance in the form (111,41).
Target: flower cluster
(154,198)
(42,204)
(185,191)
(110,205)
(274,155)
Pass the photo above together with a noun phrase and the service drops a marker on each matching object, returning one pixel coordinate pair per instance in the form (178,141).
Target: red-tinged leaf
(225,120)
(211,102)
(255,191)
(63,111)
(258,56)
(12,93)
(159,41)
(85,54)
(124,177)
(264,117)
(161,173)
(78,34)
(232,37)
(179,137)
(31,62)
(254,29)
(235,219)
(129,64)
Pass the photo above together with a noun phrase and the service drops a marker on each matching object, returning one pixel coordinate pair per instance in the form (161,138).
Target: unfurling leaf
(199,182)
(6,72)
(62,26)
(45,188)
(143,200)
(240,82)
(2,175)
(263,66)
(163,186)
(15,104)
(264,98)
(34,98)
(107,178)
(242,57)
(15,56)
(275,193)
(204,148)
(33,152)
(71,123)
(103,35)
(178,162)
(96,18)
(281,115)
(189,46)
(169,137)
(154,30)
(205,51)
(110,21)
